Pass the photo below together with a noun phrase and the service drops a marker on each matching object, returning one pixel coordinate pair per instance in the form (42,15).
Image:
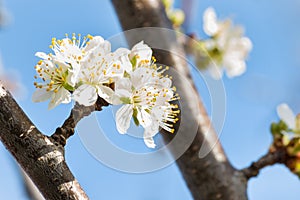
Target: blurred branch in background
(188,7)
(4,15)
(211,177)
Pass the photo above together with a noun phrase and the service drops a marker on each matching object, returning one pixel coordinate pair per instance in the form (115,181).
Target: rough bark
(31,190)
(36,153)
(208,178)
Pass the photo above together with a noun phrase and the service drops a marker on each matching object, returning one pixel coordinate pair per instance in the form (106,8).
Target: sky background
(272,77)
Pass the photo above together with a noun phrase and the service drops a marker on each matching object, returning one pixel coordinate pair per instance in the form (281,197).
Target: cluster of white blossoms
(292,122)
(83,69)
(225,49)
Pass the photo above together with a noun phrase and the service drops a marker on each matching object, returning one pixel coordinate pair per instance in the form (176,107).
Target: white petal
(153,129)
(123,85)
(73,73)
(210,24)
(122,54)
(85,95)
(62,96)
(105,92)
(143,50)
(166,82)
(286,115)
(149,140)
(41,95)
(96,41)
(42,55)
(142,76)
(144,118)
(235,67)
(246,44)
(123,117)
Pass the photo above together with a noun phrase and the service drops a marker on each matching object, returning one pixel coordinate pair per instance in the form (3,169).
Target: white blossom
(226,47)
(57,80)
(141,93)
(100,69)
(59,71)
(291,120)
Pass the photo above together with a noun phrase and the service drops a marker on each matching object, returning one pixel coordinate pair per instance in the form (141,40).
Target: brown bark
(37,154)
(271,158)
(78,112)
(208,178)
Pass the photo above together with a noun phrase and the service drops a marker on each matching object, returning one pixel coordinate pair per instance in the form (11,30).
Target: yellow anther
(40,62)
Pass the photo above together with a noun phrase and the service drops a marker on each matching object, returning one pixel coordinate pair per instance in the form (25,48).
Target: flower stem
(78,112)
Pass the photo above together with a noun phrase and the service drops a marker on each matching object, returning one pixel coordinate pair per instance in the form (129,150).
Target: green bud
(177,17)
(168,3)
(274,128)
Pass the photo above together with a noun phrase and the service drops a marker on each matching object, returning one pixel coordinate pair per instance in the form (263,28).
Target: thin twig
(62,133)
(271,158)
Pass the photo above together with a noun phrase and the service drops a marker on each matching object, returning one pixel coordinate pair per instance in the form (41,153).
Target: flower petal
(85,95)
(105,92)
(149,140)
(42,55)
(234,67)
(123,117)
(210,24)
(122,54)
(143,50)
(286,115)
(62,96)
(144,118)
(41,95)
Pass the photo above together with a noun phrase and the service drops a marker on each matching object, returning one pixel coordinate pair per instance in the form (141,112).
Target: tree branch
(211,177)
(37,154)
(62,133)
(31,190)
(271,158)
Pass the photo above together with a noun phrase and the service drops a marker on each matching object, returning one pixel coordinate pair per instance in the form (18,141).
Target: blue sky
(271,78)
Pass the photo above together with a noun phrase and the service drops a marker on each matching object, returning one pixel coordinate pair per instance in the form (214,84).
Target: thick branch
(271,158)
(211,177)
(31,190)
(36,153)
(78,112)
